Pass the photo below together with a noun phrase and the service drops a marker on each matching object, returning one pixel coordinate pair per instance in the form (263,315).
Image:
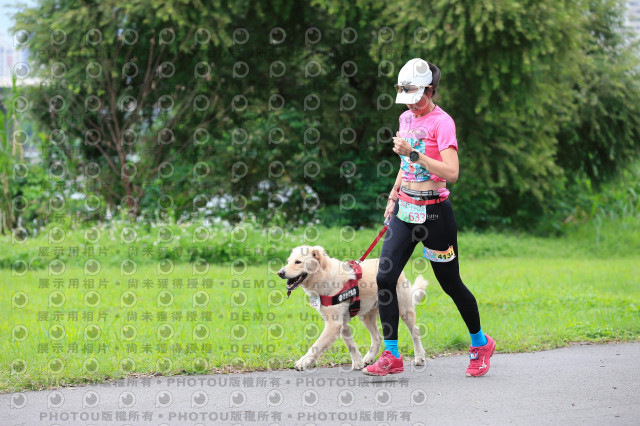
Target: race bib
(411,213)
(439,256)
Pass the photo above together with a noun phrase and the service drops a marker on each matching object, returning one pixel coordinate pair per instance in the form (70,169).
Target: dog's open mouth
(292,283)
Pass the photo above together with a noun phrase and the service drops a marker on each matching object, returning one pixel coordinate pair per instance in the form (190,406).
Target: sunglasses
(408,88)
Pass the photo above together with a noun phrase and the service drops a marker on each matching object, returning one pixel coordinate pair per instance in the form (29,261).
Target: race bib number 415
(411,213)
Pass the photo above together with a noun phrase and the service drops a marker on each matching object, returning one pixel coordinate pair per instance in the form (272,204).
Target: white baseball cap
(416,72)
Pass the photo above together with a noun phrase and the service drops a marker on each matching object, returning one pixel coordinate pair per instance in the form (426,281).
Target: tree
(10,153)
(601,139)
(300,106)
(119,99)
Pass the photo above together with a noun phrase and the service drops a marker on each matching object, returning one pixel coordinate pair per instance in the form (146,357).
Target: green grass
(533,293)
(223,244)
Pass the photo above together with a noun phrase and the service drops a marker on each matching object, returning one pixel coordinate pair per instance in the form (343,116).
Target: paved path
(585,384)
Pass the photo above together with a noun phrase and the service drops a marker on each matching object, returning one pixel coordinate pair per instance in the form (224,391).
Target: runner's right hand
(388,213)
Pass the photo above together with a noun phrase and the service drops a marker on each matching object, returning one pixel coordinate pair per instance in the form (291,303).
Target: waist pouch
(411,210)
(430,194)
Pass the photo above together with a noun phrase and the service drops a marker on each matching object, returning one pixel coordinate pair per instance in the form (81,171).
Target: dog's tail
(418,290)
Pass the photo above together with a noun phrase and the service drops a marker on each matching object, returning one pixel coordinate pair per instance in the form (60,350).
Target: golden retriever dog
(320,275)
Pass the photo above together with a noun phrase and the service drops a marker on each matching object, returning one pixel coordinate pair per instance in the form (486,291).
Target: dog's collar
(349,291)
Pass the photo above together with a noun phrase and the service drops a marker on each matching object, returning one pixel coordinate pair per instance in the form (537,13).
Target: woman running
(420,211)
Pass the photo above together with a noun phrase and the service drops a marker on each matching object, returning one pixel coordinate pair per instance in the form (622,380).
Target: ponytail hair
(435,75)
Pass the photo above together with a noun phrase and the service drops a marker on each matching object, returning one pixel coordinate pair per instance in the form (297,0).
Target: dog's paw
(358,365)
(303,363)
(368,359)
(418,360)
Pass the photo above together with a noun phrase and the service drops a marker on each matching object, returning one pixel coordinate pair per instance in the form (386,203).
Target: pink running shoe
(480,358)
(386,364)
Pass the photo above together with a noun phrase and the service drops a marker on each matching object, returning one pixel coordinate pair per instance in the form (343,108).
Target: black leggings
(438,232)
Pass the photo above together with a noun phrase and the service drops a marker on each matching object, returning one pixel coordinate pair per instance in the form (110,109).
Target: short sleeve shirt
(429,135)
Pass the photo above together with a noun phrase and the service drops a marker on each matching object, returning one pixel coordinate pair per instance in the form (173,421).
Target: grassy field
(77,316)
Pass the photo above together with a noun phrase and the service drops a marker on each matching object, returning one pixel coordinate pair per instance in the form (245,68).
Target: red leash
(373,244)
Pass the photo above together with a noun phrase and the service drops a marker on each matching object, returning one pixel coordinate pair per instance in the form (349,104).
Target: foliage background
(544,96)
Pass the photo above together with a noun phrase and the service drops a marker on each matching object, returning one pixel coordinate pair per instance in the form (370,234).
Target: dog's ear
(320,254)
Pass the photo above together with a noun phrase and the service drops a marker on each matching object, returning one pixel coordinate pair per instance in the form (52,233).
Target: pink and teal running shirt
(429,135)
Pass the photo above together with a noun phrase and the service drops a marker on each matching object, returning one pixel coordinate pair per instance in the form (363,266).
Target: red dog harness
(348,291)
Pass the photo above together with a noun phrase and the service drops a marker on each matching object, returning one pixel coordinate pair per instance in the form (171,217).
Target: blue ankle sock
(478,339)
(392,346)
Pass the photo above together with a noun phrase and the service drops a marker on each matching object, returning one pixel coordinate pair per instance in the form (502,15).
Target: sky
(8,8)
